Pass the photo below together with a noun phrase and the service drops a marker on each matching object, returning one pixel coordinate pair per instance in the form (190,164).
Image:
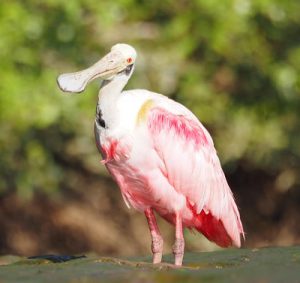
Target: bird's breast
(116,151)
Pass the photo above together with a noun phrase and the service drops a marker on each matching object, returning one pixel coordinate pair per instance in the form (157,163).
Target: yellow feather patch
(142,114)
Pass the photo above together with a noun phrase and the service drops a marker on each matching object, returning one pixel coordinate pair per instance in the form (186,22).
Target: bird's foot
(157,257)
(157,248)
(178,251)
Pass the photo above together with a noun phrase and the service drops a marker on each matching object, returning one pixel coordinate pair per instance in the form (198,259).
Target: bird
(160,155)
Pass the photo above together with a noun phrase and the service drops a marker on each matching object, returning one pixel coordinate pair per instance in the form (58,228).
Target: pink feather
(177,169)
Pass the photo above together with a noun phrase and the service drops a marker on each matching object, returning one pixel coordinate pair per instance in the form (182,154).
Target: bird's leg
(178,248)
(157,240)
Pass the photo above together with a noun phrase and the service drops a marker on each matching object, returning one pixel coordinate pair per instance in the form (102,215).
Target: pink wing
(193,169)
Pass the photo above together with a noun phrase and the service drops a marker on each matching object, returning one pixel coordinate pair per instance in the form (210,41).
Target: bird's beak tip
(70,83)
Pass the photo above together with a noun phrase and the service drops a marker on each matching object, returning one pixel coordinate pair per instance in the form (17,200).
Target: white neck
(109,93)
(112,88)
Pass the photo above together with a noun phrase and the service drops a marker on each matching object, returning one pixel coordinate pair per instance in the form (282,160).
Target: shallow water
(280,264)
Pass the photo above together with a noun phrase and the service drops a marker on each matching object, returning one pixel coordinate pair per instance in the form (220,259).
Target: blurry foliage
(235,63)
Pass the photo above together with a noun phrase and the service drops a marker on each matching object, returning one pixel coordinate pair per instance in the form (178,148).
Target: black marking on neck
(99,118)
(127,70)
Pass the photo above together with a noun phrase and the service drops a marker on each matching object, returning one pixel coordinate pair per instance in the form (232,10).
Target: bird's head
(119,61)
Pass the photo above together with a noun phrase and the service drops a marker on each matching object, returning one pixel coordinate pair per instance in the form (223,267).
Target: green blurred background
(235,63)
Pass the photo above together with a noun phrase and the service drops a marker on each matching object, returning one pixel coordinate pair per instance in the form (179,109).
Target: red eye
(129,60)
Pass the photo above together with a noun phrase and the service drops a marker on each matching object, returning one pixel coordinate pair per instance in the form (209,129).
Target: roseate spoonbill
(160,155)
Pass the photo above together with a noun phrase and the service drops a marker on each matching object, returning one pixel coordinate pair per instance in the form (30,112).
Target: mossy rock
(281,264)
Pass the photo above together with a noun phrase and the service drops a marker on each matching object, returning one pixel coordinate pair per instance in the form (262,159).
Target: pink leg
(178,248)
(157,240)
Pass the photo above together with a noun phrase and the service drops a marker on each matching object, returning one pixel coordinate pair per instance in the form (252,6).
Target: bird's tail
(224,232)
